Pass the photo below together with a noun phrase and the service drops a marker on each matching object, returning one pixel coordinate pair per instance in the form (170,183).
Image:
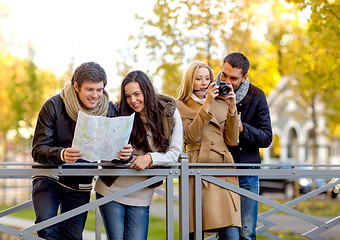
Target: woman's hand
(126,152)
(230,99)
(141,162)
(212,93)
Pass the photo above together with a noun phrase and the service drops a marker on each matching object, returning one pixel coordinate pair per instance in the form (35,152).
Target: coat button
(240,149)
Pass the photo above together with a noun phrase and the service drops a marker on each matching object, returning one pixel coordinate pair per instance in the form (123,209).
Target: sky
(87,30)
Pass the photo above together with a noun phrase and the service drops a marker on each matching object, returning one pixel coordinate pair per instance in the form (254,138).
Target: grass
(321,207)
(157,227)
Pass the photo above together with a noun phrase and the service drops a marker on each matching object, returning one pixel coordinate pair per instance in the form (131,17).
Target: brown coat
(206,136)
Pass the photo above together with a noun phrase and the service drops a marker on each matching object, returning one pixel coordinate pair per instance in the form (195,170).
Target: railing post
(170,205)
(198,206)
(98,224)
(184,198)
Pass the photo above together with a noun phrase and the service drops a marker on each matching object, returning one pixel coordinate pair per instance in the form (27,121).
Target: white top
(144,196)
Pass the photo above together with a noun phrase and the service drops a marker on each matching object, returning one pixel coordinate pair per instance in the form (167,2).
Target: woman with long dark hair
(156,138)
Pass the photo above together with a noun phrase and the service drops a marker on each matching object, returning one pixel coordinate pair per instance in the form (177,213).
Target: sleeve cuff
(62,155)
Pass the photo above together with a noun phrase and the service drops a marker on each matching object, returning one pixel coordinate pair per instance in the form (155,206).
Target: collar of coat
(168,106)
(217,112)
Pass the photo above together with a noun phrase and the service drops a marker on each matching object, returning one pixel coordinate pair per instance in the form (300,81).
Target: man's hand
(71,155)
(126,152)
(230,99)
(240,124)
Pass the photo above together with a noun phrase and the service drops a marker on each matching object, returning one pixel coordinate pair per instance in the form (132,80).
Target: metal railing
(183,171)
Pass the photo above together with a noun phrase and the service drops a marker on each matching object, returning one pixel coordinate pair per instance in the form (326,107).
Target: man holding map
(52,145)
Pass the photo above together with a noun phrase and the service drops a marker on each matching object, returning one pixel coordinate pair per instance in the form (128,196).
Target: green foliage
(157,226)
(27,87)
(316,59)
(24,88)
(180,32)
(321,208)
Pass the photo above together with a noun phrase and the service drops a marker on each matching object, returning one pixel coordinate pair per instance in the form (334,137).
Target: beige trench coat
(206,136)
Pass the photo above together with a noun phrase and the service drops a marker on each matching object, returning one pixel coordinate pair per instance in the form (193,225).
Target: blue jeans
(123,222)
(249,207)
(47,196)
(226,233)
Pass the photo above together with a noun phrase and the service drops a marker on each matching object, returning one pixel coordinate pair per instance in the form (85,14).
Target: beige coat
(206,136)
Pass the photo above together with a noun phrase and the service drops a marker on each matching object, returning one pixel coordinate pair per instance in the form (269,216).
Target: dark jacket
(53,133)
(257,127)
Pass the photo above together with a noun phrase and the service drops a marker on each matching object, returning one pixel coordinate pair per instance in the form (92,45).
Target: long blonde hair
(187,85)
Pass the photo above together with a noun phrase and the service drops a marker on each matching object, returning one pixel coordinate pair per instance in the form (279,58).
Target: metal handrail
(183,171)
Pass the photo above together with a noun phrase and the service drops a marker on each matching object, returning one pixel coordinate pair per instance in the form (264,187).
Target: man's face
(233,75)
(90,93)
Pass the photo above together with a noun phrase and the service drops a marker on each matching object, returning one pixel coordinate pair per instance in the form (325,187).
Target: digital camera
(223,88)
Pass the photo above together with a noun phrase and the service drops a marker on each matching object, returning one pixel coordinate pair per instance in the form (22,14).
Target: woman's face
(201,82)
(135,97)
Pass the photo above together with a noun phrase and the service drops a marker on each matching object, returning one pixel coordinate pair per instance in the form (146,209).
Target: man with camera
(254,132)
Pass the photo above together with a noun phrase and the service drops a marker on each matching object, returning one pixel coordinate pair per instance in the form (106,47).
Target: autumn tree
(178,33)
(182,31)
(315,58)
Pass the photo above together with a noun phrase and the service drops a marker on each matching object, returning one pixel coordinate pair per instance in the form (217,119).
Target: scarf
(201,101)
(73,106)
(241,92)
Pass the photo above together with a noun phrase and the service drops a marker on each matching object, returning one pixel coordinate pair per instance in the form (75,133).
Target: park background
(292,46)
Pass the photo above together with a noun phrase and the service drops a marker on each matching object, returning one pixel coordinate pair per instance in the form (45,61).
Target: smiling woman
(157,138)
(135,97)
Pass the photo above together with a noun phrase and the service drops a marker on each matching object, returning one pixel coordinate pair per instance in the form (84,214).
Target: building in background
(292,135)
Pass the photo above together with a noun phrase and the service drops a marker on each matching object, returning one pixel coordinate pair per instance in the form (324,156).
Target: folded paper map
(101,138)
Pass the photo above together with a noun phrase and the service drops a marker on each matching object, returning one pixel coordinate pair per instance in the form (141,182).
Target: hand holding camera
(223,88)
(227,93)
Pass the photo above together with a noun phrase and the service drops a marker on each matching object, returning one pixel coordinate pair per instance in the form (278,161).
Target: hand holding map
(101,138)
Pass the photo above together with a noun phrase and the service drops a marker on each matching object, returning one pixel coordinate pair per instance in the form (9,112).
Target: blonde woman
(210,123)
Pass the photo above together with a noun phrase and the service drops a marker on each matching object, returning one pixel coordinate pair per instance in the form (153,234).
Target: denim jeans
(47,196)
(226,233)
(249,207)
(123,222)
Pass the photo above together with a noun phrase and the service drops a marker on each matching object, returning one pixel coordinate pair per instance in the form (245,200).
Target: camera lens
(223,88)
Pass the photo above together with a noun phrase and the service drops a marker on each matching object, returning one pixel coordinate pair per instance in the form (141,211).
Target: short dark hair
(89,71)
(238,60)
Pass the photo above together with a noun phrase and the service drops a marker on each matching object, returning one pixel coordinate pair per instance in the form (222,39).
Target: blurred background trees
(297,38)
(24,87)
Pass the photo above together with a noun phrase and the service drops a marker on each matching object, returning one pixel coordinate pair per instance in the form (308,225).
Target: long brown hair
(152,111)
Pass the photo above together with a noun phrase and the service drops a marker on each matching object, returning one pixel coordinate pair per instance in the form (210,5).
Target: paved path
(286,223)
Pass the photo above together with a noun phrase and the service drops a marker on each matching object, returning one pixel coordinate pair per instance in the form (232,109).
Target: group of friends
(217,120)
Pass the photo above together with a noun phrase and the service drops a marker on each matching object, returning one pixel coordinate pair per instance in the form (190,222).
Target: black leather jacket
(53,133)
